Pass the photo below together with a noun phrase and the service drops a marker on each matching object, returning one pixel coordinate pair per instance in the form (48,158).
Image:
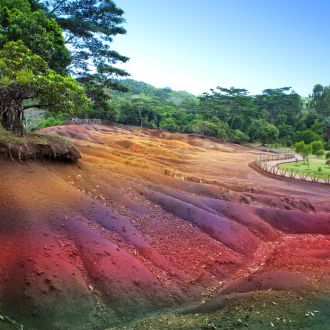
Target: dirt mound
(149,221)
(36,146)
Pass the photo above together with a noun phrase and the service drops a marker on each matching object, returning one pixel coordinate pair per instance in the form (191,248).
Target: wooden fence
(269,164)
(78,121)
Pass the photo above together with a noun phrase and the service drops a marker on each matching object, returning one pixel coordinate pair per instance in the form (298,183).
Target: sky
(195,45)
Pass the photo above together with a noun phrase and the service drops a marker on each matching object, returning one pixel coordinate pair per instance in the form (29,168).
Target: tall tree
(283,106)
(232,105)
(89,27)
(27,82)
(42,35)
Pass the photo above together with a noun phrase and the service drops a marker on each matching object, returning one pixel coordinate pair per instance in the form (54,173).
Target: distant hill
(166,95)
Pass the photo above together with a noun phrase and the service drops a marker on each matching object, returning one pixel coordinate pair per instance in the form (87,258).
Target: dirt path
(150,221)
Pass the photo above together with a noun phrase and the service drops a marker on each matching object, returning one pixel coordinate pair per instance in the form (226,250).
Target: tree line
(56,55)
(275,116)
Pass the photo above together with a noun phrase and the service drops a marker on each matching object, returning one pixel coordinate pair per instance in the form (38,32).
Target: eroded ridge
(149,221)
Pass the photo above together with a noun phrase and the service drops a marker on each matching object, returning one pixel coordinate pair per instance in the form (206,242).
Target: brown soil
(36,146)
(149,221)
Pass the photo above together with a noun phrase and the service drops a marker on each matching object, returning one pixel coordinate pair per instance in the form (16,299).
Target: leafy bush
(215,128)
(308,136)
(317,148)
(238,136)
(169,124)
(303,149)
(50,120)
(261,130)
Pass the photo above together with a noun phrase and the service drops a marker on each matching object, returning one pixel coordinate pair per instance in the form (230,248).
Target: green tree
(326,128)
(90,27)
(321,100)
(308,136)
(261,130)
(27,82)
(215,128)
(317,148)
(282,105)
(231,105)
(286,133)
(42,35)
(303,149)
(238,136)
(169,124)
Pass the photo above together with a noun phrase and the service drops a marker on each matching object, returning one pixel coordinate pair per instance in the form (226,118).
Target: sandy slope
(149,221)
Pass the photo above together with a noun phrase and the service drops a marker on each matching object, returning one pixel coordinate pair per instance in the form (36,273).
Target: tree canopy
(26,81)
(42,35)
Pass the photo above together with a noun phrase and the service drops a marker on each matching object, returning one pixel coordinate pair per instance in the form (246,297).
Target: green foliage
(50,122)
(321,100)
(308,136)
(169,124)
(261,130)
(286,133)
(238,136)
(25,76)
(327,155)
(317,148)
(90,27)
(303,149)
(233,106)
(214,128)
(22,5)
(42,35)
(282,105)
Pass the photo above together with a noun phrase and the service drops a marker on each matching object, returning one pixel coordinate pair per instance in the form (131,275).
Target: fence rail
(77,121)
(269,164)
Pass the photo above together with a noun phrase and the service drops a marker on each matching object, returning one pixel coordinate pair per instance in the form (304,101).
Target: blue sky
(196,45)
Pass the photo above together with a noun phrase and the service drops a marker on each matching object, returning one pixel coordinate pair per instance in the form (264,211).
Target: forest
(56,63)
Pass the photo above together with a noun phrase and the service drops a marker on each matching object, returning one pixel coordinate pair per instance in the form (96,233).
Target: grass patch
(36,146)
(259,310)
(316,167)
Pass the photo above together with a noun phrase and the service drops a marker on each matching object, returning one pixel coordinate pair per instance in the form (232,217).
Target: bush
(215,128)
(327,155)
(327,145)
(50,121)
(317,148)
(303,149)
(308,136)
(238,136)
(169,124)
(261,130)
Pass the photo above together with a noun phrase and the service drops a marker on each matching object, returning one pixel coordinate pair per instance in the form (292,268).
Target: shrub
(169,124)
(303,149)
(215,128)
(261,130)
(308,136)
(317,148)
(50,121)
(238,136)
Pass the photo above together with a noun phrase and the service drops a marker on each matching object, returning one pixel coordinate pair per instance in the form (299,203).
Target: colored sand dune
(163,231)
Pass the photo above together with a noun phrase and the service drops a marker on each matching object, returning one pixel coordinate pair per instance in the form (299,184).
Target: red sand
(149,220)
